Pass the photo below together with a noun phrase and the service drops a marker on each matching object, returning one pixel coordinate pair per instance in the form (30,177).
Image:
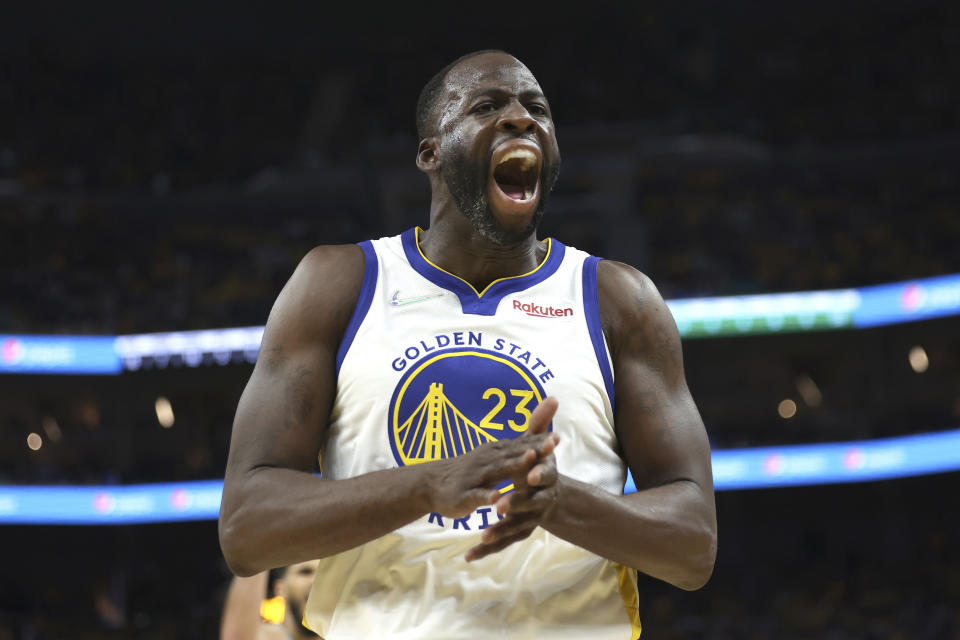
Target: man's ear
(427,157)
(279,588)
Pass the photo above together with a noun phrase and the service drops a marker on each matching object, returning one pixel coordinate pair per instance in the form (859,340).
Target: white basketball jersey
(429,368)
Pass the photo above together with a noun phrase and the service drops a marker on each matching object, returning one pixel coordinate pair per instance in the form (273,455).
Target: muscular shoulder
(614,279)
(319,298)
(627,297)
(329,273)
(635,318)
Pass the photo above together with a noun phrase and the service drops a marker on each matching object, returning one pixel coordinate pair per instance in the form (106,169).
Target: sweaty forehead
(489,71)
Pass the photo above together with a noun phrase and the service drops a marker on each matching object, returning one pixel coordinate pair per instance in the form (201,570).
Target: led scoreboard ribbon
(754,468)
(874,306)
(884,304)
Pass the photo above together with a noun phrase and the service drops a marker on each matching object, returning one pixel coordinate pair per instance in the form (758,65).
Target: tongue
(514,191)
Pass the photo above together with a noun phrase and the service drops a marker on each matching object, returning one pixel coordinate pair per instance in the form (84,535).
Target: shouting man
(476,395)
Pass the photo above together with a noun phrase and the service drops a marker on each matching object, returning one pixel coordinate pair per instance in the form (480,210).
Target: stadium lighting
(52,429)
(787,409)
(34,441)
(919,361)
(164,412)
(809,390)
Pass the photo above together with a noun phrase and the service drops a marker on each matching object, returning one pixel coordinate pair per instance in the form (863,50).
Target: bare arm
(241,611)
(668,528)
(275,511)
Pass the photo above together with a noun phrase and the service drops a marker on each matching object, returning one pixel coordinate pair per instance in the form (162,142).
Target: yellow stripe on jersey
(631,599)
(549,242)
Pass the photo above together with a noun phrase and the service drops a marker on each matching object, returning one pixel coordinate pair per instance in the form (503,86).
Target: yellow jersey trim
(631,598)
(304,623)
(486,288)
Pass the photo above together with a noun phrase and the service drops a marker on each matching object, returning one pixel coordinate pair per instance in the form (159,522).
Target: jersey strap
(591,310)
(367,289)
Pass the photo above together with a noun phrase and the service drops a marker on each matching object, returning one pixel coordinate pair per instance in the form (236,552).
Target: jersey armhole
(363,300)
(591,311)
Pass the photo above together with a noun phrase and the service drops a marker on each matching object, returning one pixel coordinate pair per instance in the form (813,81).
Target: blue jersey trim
(486,302)
(591,311)
(363,300)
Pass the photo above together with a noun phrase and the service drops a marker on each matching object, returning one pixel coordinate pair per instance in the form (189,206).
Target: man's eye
(484,107)
(536,109)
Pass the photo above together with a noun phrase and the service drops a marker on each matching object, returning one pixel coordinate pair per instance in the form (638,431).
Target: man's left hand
(532,501)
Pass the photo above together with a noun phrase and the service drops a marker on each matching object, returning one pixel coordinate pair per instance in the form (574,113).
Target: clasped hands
(467,482)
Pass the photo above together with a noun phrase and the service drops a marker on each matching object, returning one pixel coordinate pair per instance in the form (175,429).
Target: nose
(516,119)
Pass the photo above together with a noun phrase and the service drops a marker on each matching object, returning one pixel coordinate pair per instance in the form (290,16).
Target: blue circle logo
(453,401)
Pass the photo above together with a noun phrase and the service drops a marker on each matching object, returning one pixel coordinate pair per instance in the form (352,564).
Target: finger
(543,474)
(515,466)
(509,526)
(520,478)
(534,505)
(476,498)
(549,444)
(503,503)
(507,458)
(542,415)
(484,550)
(518,500)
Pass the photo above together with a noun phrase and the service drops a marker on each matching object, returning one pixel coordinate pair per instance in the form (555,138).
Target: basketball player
(477,394)
(242,619)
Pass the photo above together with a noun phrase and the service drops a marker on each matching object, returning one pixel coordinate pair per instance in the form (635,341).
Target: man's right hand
(462,484)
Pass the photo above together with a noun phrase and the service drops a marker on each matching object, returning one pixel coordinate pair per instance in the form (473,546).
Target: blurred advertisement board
(752,468)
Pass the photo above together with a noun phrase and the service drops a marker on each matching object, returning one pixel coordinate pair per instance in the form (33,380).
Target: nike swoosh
(397,301)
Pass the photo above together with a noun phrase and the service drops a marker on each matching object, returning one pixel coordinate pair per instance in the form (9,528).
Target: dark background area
(165,166)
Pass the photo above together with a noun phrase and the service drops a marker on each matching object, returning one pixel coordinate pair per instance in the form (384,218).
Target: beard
(467,182)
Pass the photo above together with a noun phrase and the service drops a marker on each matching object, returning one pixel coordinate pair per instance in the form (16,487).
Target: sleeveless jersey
(429,368)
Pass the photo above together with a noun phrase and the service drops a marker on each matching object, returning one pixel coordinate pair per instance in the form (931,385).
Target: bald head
(434,89)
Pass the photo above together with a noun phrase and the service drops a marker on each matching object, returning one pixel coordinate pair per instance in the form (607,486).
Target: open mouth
(517,173)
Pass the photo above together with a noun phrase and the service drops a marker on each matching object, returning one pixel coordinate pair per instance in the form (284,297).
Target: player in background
(247,616)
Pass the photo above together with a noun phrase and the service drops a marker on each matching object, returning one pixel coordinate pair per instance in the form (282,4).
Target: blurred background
(163,167)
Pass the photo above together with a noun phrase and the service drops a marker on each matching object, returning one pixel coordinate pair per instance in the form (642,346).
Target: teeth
(525,156)
(527,193)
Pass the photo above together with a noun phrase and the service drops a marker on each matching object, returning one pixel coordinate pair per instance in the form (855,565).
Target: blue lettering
(540,363)
(525,356)
(427,349)
(483,514)
(458,337)
(442,341)
(513,347)
(546,375)
(498,345)
(436,516)
(475,338)
(399,364)
(416,352)
(458,521)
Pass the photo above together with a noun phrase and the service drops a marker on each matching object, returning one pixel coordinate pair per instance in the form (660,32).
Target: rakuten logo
(541,311)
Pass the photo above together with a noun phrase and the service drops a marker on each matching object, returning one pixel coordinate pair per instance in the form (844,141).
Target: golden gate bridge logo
(451,402)
(441,429)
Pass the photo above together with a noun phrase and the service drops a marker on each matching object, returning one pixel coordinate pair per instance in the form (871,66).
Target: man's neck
(457,247)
